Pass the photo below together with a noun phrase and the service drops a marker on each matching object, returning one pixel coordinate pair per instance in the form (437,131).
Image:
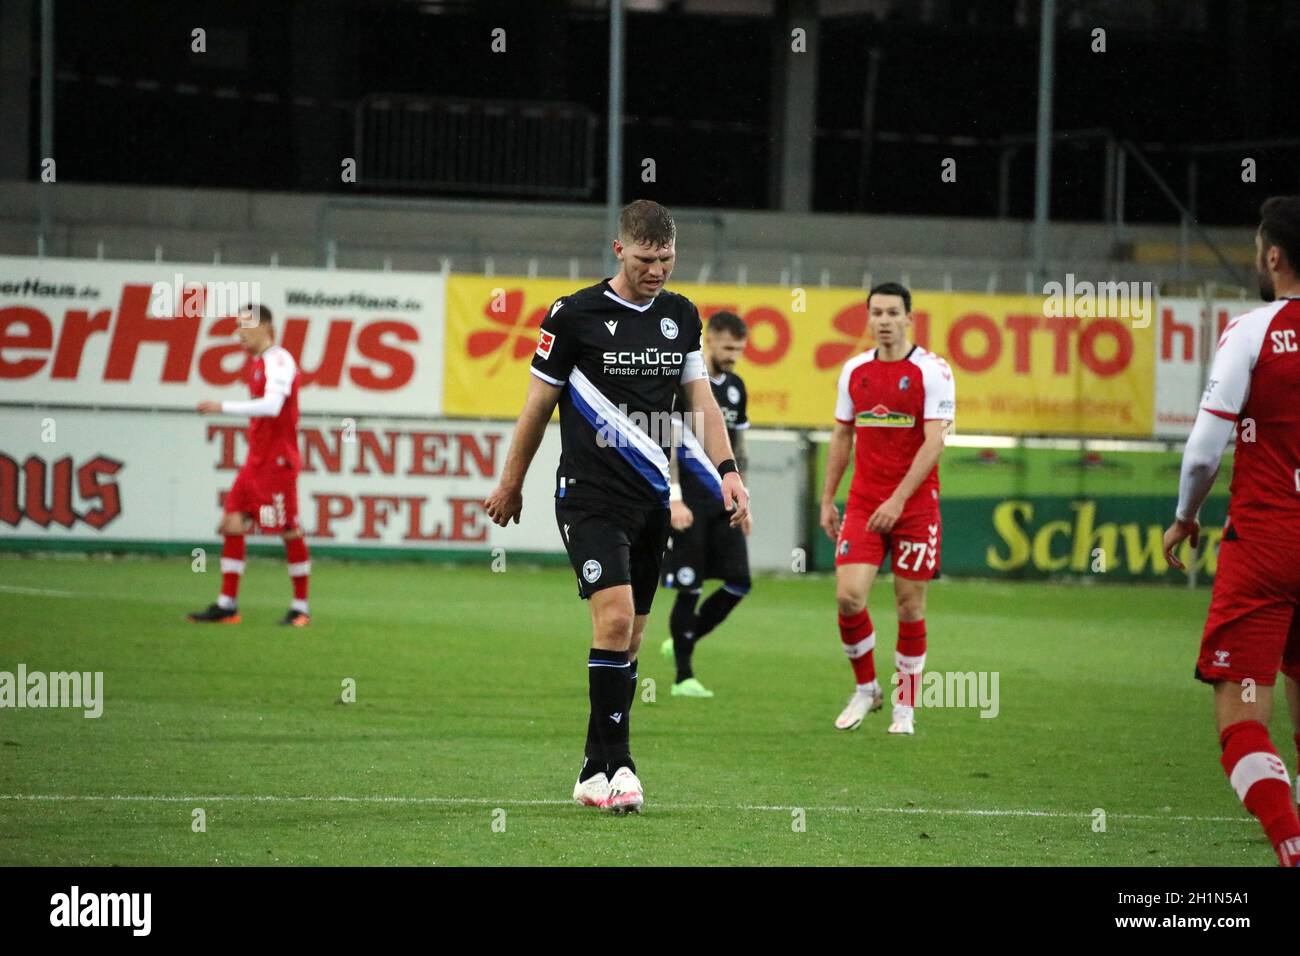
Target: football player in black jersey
(705,544)
(613,356)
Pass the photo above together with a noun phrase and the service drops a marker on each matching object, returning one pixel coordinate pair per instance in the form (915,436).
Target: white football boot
(904,720)
(625,792)
(592,792)
(861,703)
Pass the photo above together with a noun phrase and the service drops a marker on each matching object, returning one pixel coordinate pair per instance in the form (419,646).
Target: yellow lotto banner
(1017,369)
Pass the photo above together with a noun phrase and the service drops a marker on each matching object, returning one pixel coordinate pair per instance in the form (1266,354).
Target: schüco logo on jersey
(647,362)
(882,417)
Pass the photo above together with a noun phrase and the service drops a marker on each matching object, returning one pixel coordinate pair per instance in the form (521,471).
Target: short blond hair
(645,221)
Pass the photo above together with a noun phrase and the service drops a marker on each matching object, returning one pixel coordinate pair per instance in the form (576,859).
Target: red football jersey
(274,440)
(890,402)
(1255,381)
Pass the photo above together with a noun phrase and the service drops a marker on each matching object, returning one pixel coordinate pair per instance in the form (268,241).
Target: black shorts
(709,548)
(609,548)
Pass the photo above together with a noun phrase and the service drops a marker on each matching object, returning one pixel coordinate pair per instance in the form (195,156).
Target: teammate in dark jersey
(704,543)
(613,356)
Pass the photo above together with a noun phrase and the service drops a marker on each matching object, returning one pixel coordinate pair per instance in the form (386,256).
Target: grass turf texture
(471,695)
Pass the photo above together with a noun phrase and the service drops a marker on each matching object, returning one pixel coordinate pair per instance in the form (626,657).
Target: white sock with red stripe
(232,569)
(295,550)
(909,662)
(1258,775)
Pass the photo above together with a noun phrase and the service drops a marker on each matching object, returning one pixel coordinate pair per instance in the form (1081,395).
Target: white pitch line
(482,801)
(91,595)
(40,592)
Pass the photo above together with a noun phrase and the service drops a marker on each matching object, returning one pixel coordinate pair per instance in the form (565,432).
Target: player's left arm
(701,404)
(923,462)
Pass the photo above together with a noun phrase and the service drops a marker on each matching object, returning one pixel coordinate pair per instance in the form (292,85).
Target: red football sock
(1258,775)
(909,660)
(232,567)
(295,551)
(859,639)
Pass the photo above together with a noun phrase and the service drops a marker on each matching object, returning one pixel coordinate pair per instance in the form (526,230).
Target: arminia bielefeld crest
(668,327)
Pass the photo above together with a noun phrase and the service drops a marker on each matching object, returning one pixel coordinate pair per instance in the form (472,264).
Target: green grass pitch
(471,700)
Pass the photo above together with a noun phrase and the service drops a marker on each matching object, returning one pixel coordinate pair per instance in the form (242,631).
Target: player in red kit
(896,403)
(265,492)
(1253,631)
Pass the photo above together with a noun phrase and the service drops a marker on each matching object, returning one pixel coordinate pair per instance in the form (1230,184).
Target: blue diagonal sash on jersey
(632,443)
(696,460)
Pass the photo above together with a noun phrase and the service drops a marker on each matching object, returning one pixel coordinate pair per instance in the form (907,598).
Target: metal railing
(738,267)
(500,147)
(331,238)
(1117,154)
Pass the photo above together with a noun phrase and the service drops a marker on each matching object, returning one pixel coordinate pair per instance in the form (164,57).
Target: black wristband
(727,467)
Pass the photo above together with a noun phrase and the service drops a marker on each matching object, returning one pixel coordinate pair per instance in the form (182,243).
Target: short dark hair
(892,288)
(645,221)
(263,313)
(1280,226)
(728,322)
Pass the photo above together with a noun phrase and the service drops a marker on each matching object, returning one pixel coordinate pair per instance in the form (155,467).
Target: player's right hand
(831,520)
(209,408)
(503,504)
(1174,536)
(681,516)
